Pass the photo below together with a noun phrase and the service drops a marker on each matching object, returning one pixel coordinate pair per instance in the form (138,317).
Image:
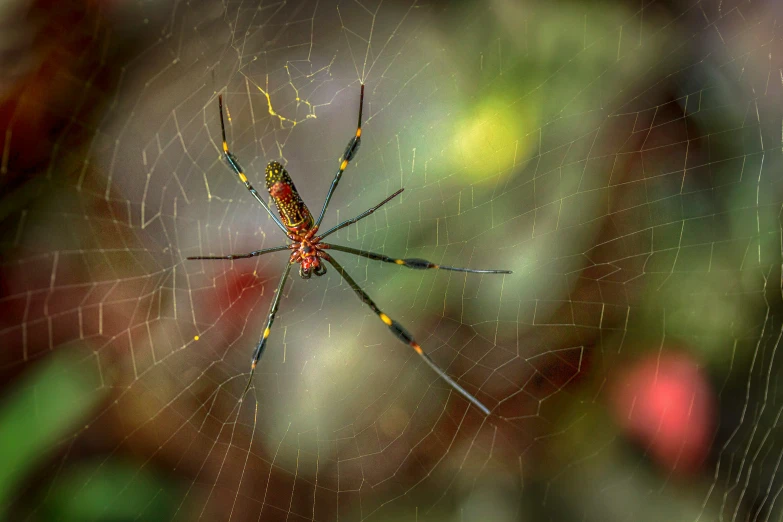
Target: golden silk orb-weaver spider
(309,251)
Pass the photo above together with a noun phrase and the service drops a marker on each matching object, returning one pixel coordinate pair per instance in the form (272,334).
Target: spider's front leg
(352,148)
(350,152)
(233,162)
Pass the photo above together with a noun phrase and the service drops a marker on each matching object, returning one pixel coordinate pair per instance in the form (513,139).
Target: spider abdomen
(293,211)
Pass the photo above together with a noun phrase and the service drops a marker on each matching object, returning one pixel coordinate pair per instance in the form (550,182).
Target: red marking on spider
(280,190)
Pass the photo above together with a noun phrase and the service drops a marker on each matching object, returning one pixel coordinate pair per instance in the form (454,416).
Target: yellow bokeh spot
(195,337)
(493,137)
(385,318)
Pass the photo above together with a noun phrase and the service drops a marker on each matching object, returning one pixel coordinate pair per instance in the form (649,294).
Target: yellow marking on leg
(243,177)
(399,261)
(417,348)
(225,147)
(385,319)
(266,332)
(253,366)
(435,266)
(358,132)
(343,164)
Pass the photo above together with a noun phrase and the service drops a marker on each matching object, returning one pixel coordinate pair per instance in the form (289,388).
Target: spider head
(309,265)
(306,251)
(306,273)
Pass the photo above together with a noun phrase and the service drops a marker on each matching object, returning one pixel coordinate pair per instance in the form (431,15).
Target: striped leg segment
(361,216)
(403,335)
(234,164)
(412,262)
(350,152)
(259,351)
(254,253)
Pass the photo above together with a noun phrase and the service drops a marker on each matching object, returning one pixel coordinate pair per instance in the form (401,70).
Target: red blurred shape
(666,404)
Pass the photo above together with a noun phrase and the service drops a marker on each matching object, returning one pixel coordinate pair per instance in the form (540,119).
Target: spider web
(622,160)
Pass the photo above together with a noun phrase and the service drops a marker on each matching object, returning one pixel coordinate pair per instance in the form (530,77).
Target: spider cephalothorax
(307,251)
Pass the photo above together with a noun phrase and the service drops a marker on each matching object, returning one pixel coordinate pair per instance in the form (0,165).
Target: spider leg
(254,253)
(403,335)
(360,216)
(412,262)
(350,152)
(269,320)
(234,164)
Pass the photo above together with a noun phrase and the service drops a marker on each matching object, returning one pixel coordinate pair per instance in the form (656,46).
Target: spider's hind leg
(320,270)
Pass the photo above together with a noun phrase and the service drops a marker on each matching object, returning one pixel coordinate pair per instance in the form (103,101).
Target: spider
(310,252)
